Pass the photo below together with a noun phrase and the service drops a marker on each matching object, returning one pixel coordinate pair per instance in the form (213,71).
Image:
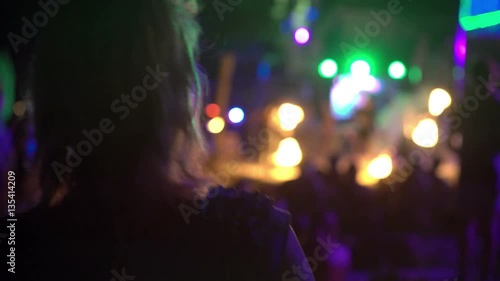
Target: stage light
(478,14)
(368,84)
(302,36)
(19,108)
(312,14)
(484,20)
(345,96)
(288,154)
(343,99)
(236,115)
(364,179)
(212,110)
(360,68)
(397,70)
(415,75)
(263,71)
(31,147)
(460,48)
(290,115)
(439,100)
(216,125)
(328,68)
(380,167)
(426,133)
(349,93)
(283,174)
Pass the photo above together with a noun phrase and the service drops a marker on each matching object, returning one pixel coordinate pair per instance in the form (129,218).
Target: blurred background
(362,118)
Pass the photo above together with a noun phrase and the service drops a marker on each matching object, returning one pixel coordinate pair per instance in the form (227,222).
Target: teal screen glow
(478,14)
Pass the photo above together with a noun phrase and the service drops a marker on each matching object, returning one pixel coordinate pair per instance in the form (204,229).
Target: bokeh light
(360,68)
(212,110)
(369,83)
(31,147)
(415,75)
(439,100)
(312,14)
(216,125)
(236,115)
(19,108)
(449,171)
(263,71)
(349,93)
(363,178)
(283,174)
(380,167)
(290,115)
(397,70)
(302,35)
(288,154)
(328,68)
(425,133)
(344,96)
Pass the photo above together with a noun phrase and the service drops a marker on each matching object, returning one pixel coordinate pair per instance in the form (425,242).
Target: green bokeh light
(360,67)
(7,85)
(328,68)
(415,75)
(397,70)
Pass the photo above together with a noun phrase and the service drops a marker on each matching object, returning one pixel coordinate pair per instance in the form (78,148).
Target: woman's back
(237,236)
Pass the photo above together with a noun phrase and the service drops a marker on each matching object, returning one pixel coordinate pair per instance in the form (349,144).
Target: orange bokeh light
(212,110)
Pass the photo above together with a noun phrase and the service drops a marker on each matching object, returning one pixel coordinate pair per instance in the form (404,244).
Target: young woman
(117,98)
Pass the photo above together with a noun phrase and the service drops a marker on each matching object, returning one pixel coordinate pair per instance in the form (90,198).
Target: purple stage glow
(460,49)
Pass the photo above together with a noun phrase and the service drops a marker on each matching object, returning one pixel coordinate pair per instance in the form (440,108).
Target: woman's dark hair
(117,96)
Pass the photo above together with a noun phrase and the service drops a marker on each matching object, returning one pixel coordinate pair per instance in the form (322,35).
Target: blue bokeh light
(236,115)
(313,14)
(263,71)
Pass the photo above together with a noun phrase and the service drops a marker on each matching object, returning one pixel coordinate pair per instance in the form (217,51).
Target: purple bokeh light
(302,36)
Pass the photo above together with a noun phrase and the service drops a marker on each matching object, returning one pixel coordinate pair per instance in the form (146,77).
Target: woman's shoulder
(249,224)
(230,214)
(237,206)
